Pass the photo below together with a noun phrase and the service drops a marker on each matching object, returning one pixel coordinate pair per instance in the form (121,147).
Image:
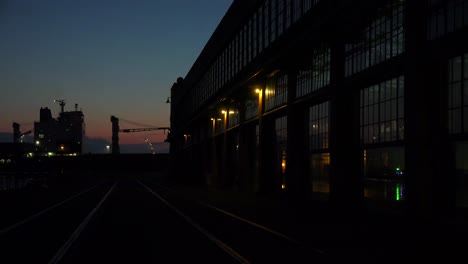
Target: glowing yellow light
(231,112)
(283,186)
(62,147)
(211,119)
(257,90)
(37,142)
(223,111)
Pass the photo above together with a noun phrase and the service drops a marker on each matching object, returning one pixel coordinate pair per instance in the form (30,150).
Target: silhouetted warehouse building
(352,102)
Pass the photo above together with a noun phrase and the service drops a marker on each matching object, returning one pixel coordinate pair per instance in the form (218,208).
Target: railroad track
(130,221)
(44,236)
(245,240)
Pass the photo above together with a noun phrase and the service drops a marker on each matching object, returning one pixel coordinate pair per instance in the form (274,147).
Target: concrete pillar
(429,159)
(346,186)
(296,163)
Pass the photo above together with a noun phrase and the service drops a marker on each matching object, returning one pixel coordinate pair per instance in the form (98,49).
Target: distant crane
(61,103)
(116,129)
(17,135)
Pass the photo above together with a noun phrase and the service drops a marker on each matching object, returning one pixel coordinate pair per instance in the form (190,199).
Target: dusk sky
(111,57)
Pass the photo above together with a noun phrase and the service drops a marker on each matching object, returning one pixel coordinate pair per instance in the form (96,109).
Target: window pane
(465,68)
(383,168)
(383,113)
(456,120)
(457,69)
(401,129)
(465,92)
(400,108)
(465,119)
(388,110)
(456,96)
(318,126)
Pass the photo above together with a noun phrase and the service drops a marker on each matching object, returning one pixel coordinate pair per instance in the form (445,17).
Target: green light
(397,192)
(398,169)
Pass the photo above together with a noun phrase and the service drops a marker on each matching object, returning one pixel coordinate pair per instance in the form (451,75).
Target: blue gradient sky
(111,57)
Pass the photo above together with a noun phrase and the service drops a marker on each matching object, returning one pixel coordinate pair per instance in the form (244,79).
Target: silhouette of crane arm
(27,132)
(128,130)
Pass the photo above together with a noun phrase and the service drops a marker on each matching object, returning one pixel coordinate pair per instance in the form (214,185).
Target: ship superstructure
(62,135)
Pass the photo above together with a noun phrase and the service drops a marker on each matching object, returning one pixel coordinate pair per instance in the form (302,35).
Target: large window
(319,163)
(280,17)
(382,120)
(320,175)
(287,14)
(231,60)
(260,29)
(297,9)
(381,40)
(273,18)
(458,94)
(248,42)
(236,55)
(458,122)
(303,82)
(254,35)
(320,68)
(233,118)
(318,76)
(251,109)
(219,125)
(318,127)
(244,50)
(281,131)
(446,17)
(276,92)
(383,173)
(281,128)
(266,24)
(382,112)
(461,177)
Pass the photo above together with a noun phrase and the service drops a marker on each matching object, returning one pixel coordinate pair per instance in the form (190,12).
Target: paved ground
(371,236)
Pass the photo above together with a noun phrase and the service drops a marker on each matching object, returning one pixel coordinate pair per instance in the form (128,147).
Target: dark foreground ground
(366,235)
(369,235)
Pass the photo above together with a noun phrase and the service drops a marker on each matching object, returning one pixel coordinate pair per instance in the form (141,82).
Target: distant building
(352,102)
(61,136)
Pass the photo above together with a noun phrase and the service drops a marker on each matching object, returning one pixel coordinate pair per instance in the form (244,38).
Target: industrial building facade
(361,102)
